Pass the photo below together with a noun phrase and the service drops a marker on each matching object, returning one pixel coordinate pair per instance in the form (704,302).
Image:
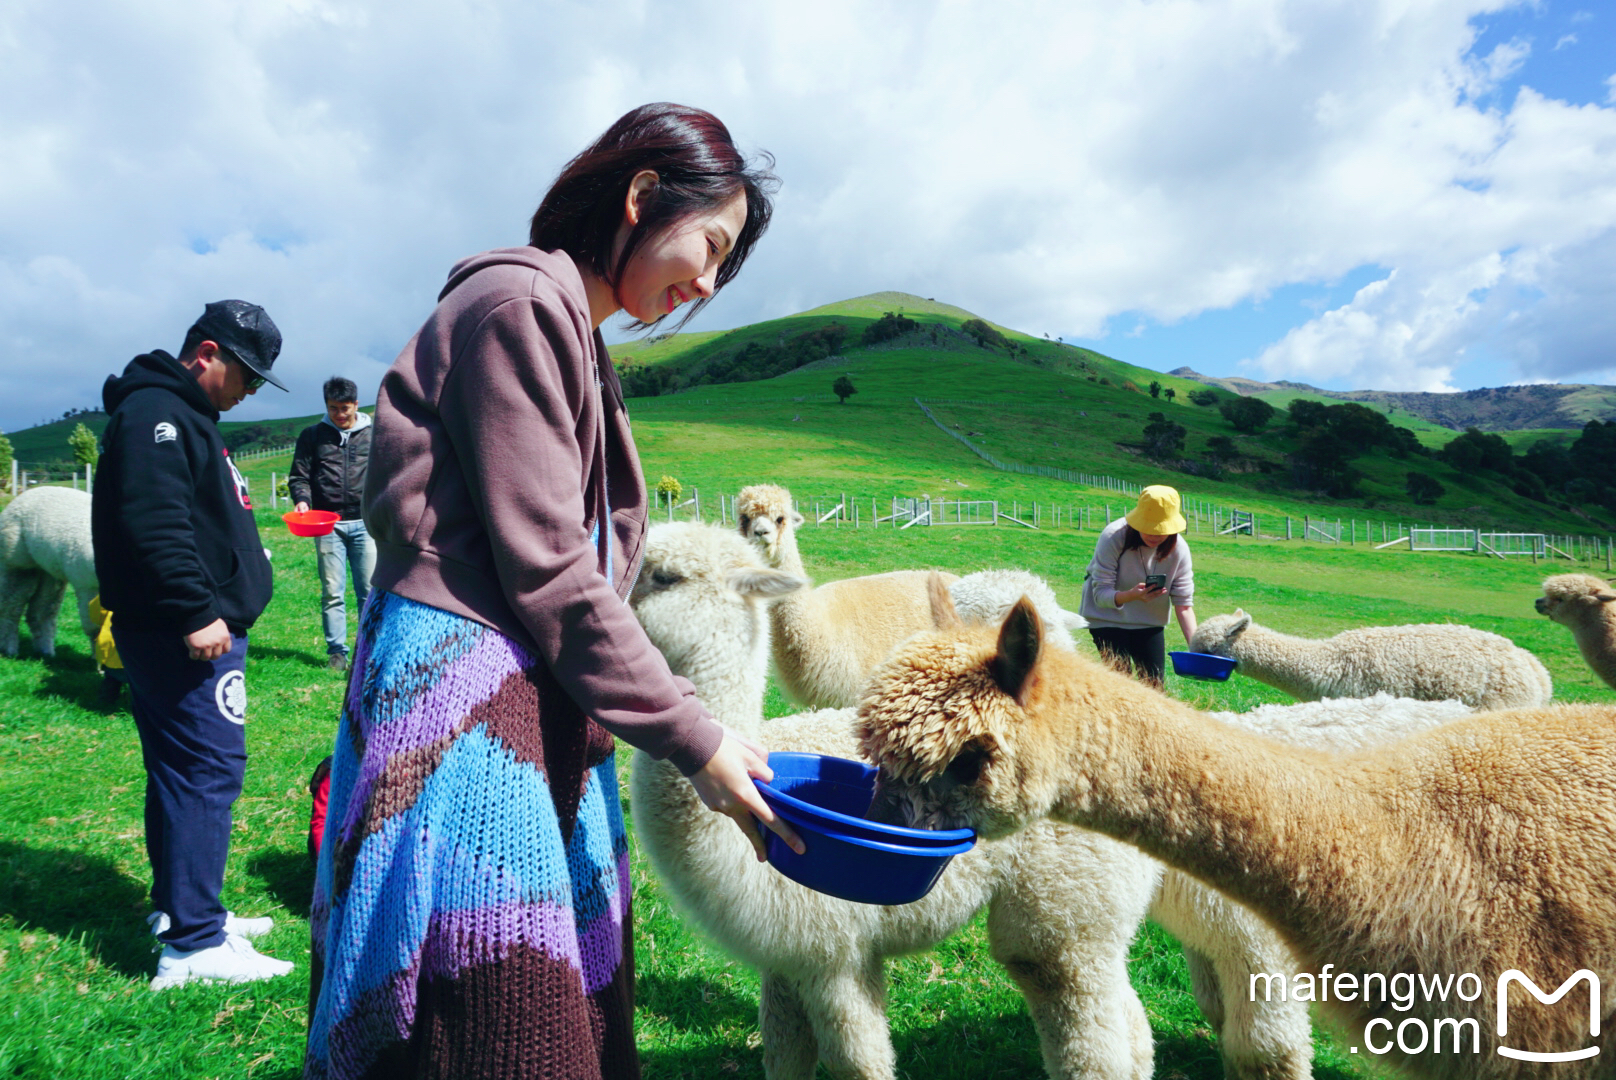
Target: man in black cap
(182,568)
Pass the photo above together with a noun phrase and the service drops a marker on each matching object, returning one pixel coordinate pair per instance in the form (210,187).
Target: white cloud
(1050,164)
(1565,40)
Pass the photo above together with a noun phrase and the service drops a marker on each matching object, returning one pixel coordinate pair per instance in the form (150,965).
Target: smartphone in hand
(1155,582)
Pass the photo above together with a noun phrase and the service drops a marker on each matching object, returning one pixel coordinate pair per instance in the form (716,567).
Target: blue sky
(1398,194)
(1571,57)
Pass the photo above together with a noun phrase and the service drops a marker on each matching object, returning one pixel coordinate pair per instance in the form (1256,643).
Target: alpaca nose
(1542,605)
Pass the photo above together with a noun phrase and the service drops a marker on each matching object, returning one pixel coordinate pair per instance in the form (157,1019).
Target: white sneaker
(234,960)
(233,924)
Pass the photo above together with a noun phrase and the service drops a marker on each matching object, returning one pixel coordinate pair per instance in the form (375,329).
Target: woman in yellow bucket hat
(1139,575)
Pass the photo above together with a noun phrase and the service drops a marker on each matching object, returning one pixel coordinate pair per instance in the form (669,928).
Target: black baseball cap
(246,330)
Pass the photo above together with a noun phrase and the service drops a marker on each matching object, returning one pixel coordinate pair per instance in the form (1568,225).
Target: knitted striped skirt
(471,906)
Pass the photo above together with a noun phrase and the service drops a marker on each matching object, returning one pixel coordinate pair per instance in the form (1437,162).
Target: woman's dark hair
(1131,539)
(698,168)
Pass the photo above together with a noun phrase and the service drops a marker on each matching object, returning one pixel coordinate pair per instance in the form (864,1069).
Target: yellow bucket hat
(1158,511)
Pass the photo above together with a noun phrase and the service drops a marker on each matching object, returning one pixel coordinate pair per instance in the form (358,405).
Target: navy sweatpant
(191,715)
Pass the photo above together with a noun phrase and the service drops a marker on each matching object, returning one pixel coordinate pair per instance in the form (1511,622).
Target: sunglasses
(254,380)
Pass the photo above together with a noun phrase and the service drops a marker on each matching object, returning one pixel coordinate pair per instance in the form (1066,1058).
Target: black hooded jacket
(176,545)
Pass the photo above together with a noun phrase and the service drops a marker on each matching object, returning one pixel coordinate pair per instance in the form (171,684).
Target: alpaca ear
(797,520)
(1239,624)
(944,615)
(1020,640)
(1073,621)
(763,582)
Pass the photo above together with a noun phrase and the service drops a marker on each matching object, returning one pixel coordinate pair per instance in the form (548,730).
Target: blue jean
(345,550)
(193,742)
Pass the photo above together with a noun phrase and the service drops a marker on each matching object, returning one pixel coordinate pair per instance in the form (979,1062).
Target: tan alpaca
(828,640)
(1485,845)
(1582,604)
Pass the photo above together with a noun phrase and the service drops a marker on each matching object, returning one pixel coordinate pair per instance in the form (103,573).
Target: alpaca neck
(732,687)
(1291,663)
(798,623)
(1598,645)
(1272,826)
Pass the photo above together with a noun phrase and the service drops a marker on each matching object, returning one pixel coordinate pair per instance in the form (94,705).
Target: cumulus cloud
(1048,164)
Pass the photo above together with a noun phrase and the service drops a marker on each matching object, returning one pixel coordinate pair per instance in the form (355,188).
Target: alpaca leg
(85,624)
(1204,985)
(1225,944)
(42,612)
(16,589)
(848,1010)
(789,1049)
(1071,962)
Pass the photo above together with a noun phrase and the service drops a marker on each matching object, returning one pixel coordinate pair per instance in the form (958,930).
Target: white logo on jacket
(165,432)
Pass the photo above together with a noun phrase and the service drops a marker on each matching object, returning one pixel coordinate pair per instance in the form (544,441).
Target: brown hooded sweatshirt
(501,441)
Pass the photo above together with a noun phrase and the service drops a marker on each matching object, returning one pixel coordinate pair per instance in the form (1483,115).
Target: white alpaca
(1582,604)
(1430,662)
(44,548)
(829,640)
(1063,903)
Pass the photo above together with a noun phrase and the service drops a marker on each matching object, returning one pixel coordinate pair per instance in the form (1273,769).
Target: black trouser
(190,715)
(1141,652)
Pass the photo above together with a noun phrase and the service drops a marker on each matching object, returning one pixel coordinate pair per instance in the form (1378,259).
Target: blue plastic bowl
(1200,665)
(825,799)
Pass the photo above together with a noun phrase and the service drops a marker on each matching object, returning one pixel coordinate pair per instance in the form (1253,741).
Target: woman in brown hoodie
(471,910)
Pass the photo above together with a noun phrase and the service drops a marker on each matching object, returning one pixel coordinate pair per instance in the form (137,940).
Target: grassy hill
(1053,405)
(1495,408)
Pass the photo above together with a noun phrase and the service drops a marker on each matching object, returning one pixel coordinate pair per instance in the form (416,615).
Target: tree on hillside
(843,388)
(1248,414)
(1155,389)
(887,327)
(82,441)
(1169,393)
(1423,489)
(5,462)
(985,335)
(1307,414)
(668,488)
(1476,449)
(1321,463)
(1163,438)
(1207,397)
(1221,449)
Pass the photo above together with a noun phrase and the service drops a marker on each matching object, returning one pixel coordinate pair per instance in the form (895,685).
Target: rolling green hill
(1054,405)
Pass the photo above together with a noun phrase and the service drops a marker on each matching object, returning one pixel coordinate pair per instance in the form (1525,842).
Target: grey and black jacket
(328,467)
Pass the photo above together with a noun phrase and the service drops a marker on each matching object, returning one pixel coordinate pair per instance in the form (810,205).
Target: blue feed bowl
(1200,665)
(825,799)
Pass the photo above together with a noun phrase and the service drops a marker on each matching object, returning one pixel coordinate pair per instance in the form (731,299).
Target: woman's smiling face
(681,264)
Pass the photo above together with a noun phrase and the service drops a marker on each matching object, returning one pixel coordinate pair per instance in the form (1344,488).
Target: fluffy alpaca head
(764,513)
(1575,600)
(942,720)
(1218,635)
(701,594)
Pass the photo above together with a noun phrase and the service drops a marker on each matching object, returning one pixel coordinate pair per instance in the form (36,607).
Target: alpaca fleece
(1582,604)
(1429,662)
(1485,844)
(828,640)
(45,546)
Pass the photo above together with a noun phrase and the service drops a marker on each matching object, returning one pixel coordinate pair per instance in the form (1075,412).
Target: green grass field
(75,957)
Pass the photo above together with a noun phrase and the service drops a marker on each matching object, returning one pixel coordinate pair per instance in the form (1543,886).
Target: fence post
(274,493)
(695,493)
(14,476)
(1607,554)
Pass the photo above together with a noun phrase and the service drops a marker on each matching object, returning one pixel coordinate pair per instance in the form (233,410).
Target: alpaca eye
(663,579)
(746,522)
(780,521)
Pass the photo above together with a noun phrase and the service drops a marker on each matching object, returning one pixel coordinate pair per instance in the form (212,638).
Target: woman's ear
(639,189)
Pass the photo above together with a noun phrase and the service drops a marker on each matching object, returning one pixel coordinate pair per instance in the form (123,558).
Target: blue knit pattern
(455,846)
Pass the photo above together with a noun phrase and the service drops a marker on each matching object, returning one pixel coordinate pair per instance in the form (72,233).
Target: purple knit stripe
(460,939)
(378,1017)
(458,688)
(600,944)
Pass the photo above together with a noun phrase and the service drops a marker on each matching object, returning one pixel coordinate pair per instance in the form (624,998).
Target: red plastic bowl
(311,522)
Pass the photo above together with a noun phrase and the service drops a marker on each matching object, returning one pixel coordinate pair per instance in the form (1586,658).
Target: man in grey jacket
(328,473)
